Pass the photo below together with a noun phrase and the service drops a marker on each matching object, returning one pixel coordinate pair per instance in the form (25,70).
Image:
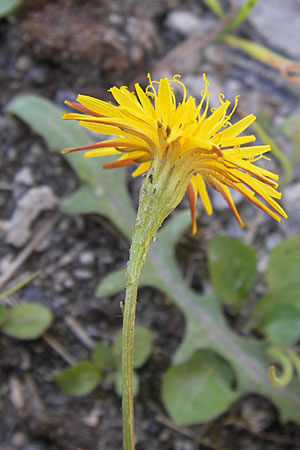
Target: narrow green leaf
(281,325)
(142,346)
(27,321)
(216,7)
(284,264)
(103,191)
(19,286)
(102,356)
(135,383)
(114,282)
(241,15)
(232,267)
(78,380)
(8,6)
(199,389)
(3,312)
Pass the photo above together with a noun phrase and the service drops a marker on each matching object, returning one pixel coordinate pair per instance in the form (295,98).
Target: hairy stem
(146,225)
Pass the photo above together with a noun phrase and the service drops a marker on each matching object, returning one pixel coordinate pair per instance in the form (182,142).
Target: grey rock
(183,22)
(38,75)
(30,205)
(23,63)
(24,176)
(278,23)
(82,274)
(86,258)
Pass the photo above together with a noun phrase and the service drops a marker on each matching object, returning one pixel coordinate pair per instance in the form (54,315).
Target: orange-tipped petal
(118,163)
(84,109)
(192,200)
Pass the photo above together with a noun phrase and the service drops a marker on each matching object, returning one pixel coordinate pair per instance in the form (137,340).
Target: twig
(194,42)
(45,228)
(35,397)
(59,349)
(4,186)
(185,432)
(79,332)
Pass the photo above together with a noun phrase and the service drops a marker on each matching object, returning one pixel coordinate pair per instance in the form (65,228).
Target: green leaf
(8,6)
(3,312)
(142,346)
(281,325)
(102,356)
(288,295)
(102,191)
(27,321)
(111,284)
(232,267)
(78,380)
(135,383)
(284,264)
(199,389)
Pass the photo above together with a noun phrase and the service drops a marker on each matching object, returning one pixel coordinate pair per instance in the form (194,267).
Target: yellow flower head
(203,148)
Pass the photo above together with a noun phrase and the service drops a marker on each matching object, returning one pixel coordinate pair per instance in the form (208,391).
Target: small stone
(12,154)
(38,75)
(92,419)
(83,274)
(19,440)
(30,205)
(86,258)
(24,176)
(257,413)
(183,22)
(272,240)
(23,63)
(63,281)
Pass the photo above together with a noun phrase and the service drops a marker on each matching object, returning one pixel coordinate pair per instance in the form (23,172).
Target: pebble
(82,274)
(183,22)
(62,281)
(19,440)
(24,176)
(38,75)
(86,258)
(278,26)
(23,63)
(28,208)
(257,414)
(272,240)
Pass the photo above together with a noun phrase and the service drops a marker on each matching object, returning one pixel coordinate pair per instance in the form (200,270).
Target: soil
(58,49)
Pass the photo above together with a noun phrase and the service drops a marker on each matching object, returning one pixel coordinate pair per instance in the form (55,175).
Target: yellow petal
(199,183)
(141,169)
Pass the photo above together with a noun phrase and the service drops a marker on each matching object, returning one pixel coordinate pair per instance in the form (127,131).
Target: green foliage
(284,264)
(135,383)
(84,377)
(142,346)
(105,192)
(102,356)
(78,380)
(199,389)
(281,324)
(232,266)
(8,6)
(26,321)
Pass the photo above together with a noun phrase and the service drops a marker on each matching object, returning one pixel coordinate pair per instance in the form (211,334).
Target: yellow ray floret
(205,149)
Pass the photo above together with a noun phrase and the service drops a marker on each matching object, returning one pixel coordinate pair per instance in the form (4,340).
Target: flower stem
(161,191)
(145,229)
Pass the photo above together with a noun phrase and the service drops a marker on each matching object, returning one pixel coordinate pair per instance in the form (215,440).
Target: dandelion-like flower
(194,146)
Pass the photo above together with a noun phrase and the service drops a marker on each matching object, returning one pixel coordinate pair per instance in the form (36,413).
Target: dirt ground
(57,49)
